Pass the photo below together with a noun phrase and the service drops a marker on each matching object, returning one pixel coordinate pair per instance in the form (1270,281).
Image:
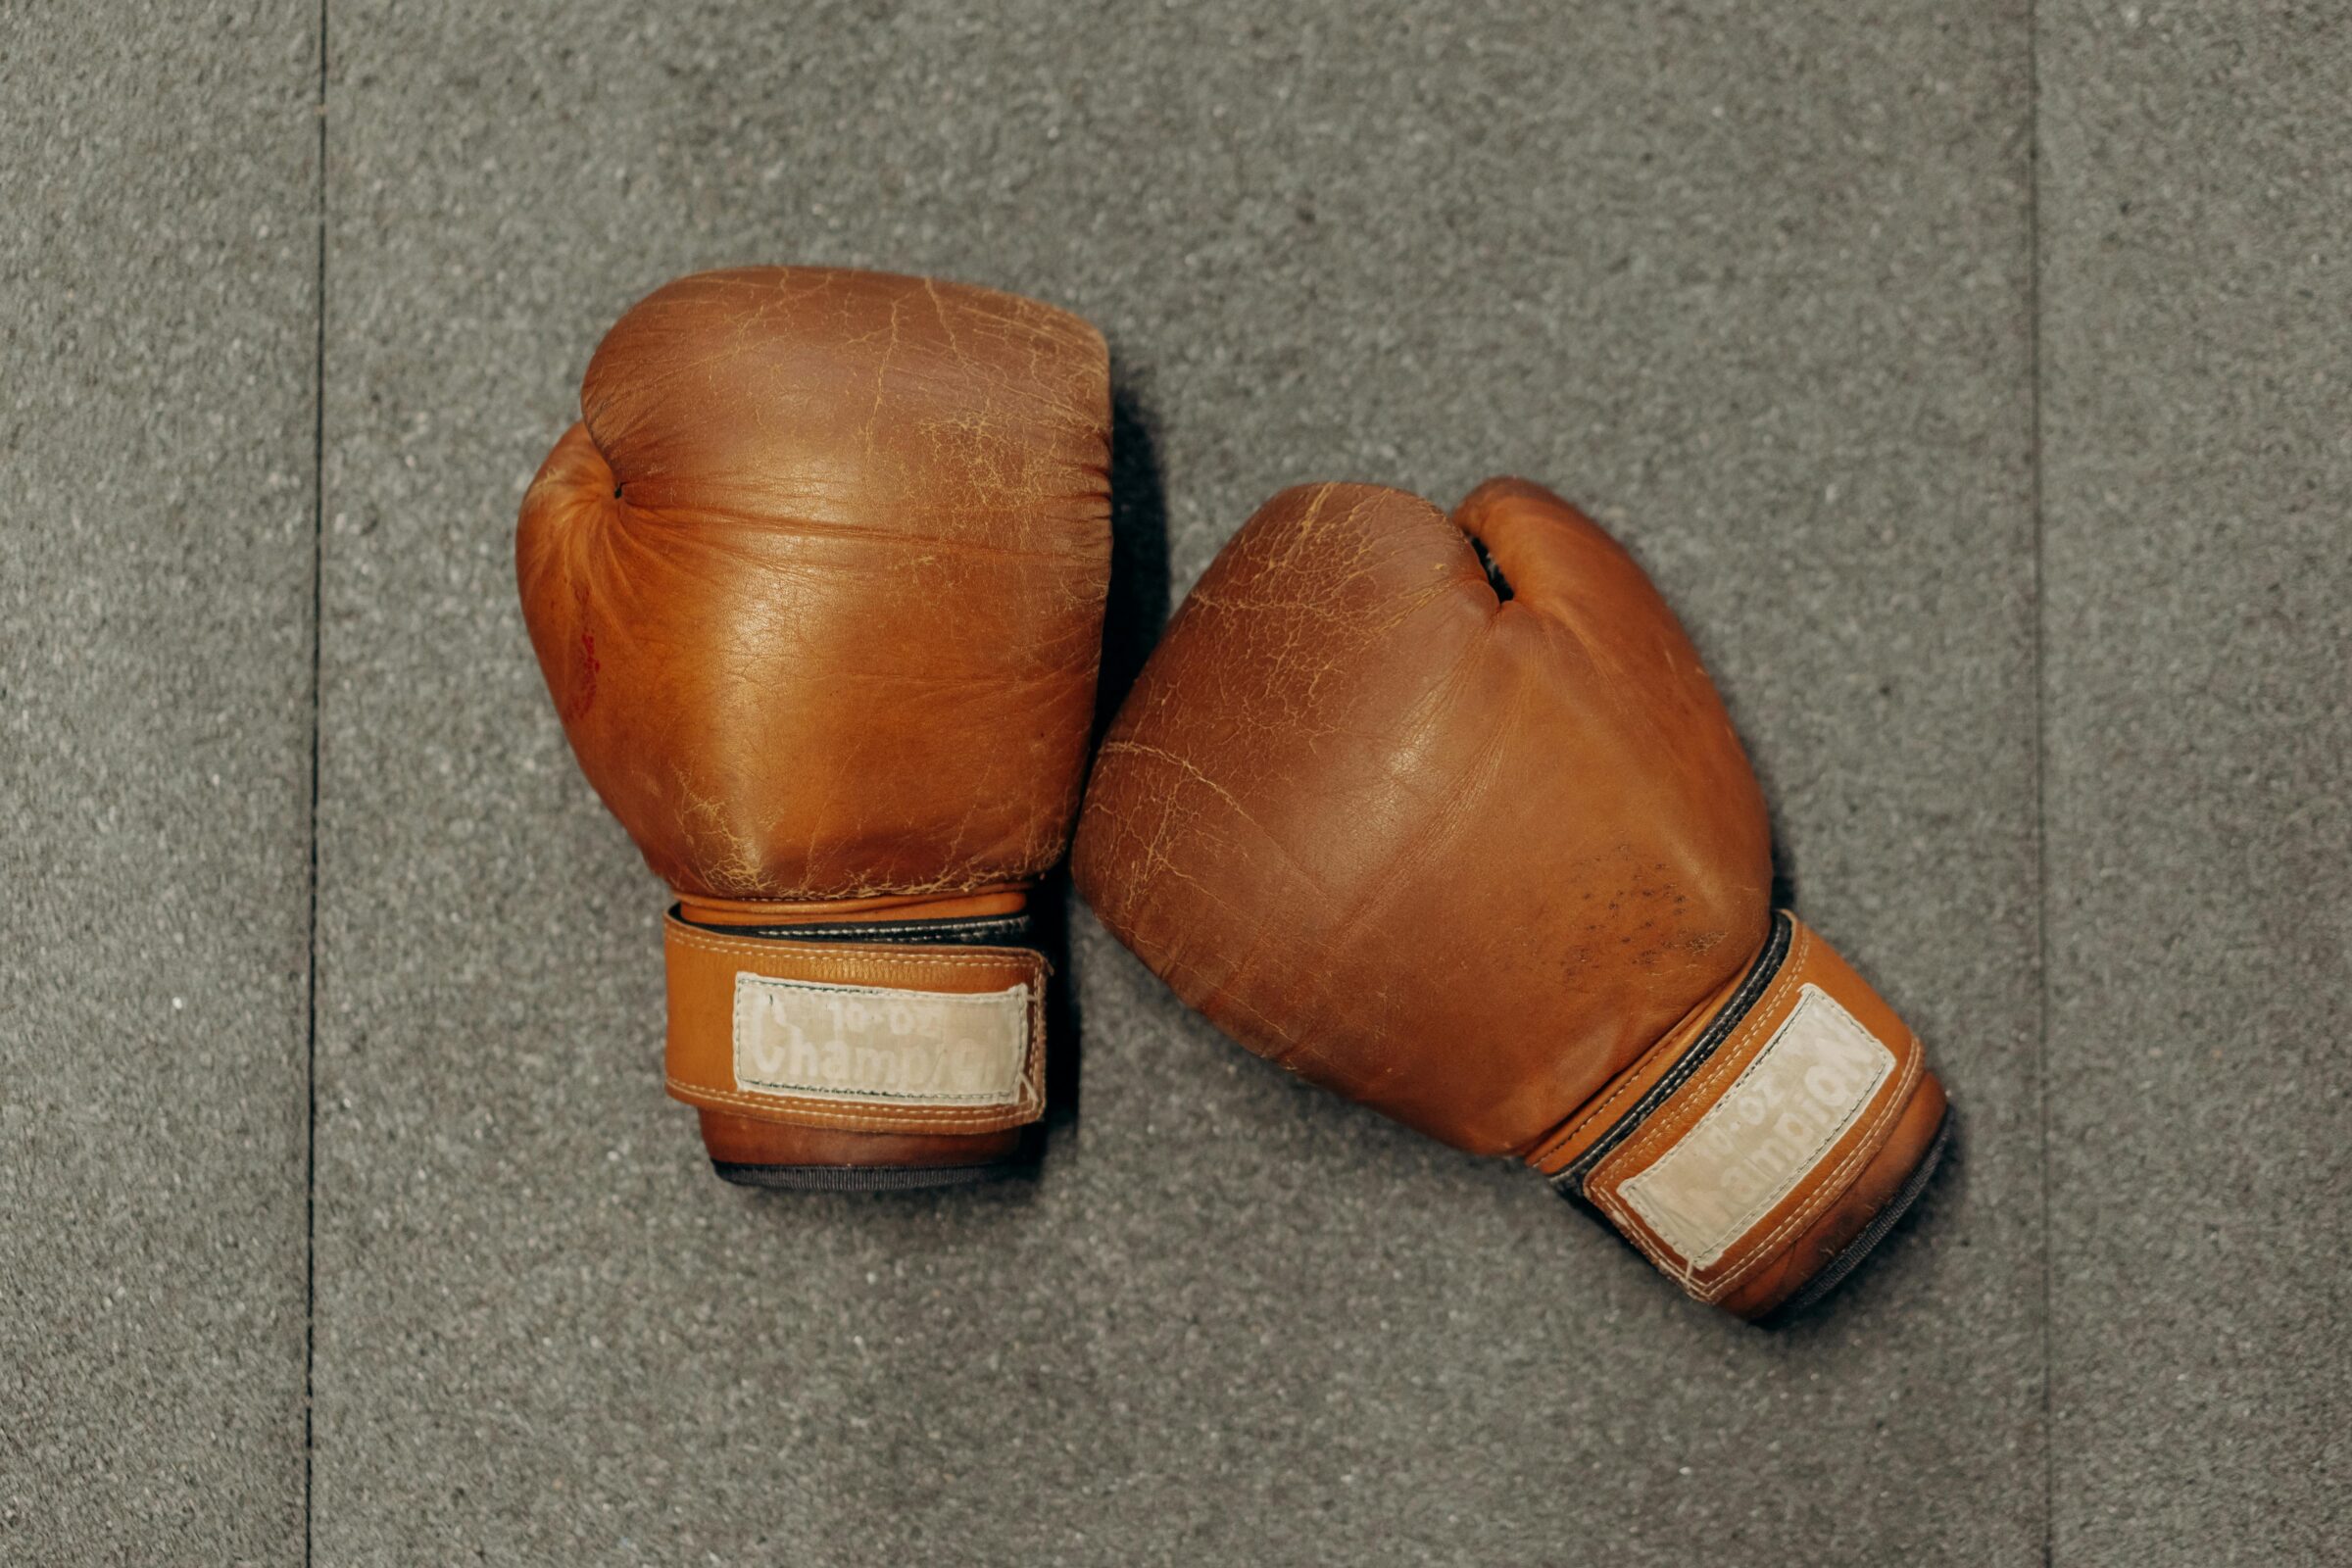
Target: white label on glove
(1766,1135)
(804,1039)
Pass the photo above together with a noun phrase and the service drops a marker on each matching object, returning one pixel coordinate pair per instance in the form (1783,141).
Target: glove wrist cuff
(1769,1141)
(919,1019)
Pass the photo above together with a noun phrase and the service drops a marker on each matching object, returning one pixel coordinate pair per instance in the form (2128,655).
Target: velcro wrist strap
(848,1032)
(1743,1131)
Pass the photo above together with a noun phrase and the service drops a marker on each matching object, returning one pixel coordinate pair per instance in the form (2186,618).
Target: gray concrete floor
(1974,377)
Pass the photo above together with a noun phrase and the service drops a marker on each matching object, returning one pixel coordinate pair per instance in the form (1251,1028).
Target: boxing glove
(1445,815)
(816,584)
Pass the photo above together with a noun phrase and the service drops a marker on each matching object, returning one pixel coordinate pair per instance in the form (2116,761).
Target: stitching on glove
(1824,1194)
(974,958)
(977,1119)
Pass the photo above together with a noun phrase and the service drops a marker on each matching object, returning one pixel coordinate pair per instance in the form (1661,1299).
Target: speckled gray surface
(1759,288)
(158,330)
(2197,474)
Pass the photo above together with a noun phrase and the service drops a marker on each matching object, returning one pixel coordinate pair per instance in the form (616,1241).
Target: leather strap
(856,1035)
(1749,1123)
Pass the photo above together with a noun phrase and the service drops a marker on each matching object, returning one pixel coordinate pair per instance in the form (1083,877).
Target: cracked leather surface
(817,580)
(816,584)
(1481,851)
(1456,857)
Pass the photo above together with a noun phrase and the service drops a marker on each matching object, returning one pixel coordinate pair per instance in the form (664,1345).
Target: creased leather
(817,582)
(1469,859)
(817,585)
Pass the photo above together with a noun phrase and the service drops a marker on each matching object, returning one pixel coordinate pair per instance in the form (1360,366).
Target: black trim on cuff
(1832,1274)
(968,931)
(863,1178)
(1570,1183)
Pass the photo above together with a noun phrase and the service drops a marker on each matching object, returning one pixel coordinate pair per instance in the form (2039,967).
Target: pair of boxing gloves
(1439,811)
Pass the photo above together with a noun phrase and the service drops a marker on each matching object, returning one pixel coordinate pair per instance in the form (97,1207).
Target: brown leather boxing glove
(816,584)
(1484,854)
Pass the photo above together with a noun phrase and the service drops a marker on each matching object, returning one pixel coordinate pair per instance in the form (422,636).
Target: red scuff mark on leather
(584,666)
